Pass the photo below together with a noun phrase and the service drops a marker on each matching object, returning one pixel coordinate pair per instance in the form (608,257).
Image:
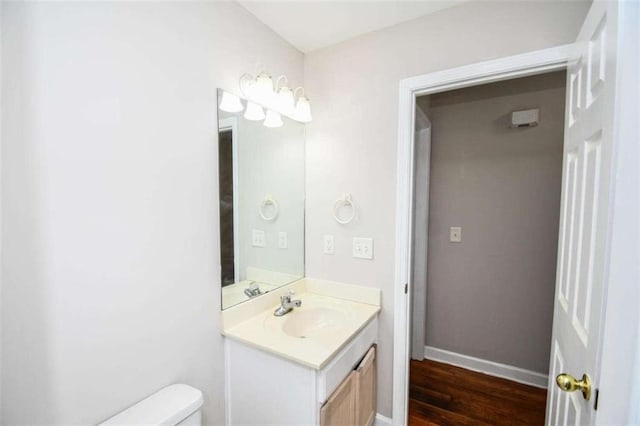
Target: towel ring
(268,201)
(344,201)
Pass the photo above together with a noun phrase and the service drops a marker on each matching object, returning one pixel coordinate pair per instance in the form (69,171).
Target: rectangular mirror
(261,174)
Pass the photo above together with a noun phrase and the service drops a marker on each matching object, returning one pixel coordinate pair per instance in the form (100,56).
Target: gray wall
(491,296)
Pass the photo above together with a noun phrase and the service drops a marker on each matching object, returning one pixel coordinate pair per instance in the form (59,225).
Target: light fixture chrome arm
(277,85)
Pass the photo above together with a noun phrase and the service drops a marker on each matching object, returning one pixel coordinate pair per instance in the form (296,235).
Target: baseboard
(381,420)
(505,371)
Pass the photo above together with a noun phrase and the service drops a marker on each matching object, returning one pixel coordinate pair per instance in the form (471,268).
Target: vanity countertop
(330,316)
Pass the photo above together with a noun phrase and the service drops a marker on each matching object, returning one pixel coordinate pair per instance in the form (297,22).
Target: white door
(584,217)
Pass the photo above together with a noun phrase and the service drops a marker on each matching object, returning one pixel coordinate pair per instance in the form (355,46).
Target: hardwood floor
(443,395)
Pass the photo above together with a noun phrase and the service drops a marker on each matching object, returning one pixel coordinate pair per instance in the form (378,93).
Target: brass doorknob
(568,383)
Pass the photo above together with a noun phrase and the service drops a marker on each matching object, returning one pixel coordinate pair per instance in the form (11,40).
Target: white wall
(262,153)
(351,144)
(271,161)
(109,179)
(619,399)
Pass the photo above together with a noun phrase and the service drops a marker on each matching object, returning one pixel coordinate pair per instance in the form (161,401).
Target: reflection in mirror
(261,175)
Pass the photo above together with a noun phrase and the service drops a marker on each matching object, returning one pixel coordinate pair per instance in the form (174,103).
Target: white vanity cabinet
(265,388)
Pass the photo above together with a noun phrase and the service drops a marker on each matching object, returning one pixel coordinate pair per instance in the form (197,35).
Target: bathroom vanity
(314,365)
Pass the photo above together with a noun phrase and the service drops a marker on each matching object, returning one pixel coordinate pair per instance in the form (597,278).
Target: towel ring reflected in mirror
(268,208)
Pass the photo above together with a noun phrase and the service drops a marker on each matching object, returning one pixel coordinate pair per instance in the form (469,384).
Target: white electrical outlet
(455,234)
(258,238)
(328,245)
(363,248)
(282,240)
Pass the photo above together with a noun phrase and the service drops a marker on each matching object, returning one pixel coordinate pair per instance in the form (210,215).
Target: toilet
(170,406)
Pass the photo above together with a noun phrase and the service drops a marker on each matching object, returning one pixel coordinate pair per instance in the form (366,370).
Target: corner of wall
(1,245)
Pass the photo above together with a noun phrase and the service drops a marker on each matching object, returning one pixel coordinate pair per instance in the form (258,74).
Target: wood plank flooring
(443,395)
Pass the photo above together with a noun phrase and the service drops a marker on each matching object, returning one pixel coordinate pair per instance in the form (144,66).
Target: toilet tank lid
(168,406)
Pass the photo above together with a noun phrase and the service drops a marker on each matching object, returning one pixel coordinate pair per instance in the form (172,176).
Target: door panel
(584,214)
(366,389)
(340,409)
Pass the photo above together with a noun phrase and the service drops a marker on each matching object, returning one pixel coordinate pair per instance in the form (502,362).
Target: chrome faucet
(287,304)
(253,290)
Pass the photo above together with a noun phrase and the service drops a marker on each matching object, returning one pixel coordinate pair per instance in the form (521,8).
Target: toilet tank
(173,405)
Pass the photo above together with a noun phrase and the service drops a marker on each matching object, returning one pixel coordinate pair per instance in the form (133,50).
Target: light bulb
(247,85)
(254,112)
(284,100)
(263,89)
(273,119)
(303,110)
(230,103)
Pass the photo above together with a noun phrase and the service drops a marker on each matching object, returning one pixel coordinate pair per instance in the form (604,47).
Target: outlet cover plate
(455,234)
(257,238)
(363,248)
(329,246)
(283,241)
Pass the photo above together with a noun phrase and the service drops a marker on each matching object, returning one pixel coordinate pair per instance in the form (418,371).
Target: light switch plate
(283,242)
(329,247)
(257,238)
(363,248)
(455,234)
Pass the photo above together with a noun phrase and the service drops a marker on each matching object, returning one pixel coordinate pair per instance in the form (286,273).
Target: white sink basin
(311,322)
(310,334)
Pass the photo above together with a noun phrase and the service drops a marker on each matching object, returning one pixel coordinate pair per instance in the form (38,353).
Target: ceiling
(314,24)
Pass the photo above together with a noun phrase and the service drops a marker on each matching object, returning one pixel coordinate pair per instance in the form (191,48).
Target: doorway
(596,336)
(548,60)
(487,194)
(227,185)
(228,189)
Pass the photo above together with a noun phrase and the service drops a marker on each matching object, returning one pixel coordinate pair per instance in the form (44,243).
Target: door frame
(225,125)
(620,352)
(522,65)
(422,136)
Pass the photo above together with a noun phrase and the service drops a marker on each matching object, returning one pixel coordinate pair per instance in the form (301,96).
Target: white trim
(422,121)
(531,63)
(225,124)
(422,139)
(506,68)
(381,420)
(480,365)
(402,300)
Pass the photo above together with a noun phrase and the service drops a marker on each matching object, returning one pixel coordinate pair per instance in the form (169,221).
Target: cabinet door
(366,389)
(340,409)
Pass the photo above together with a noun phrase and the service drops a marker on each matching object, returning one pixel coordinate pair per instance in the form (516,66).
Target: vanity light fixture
(230,103)
(254,112)
(278,98)
(273,119)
